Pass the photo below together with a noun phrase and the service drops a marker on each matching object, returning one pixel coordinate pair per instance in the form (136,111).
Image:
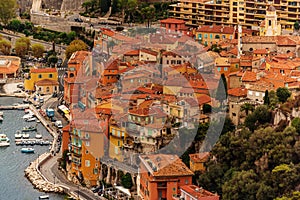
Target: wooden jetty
(14,107)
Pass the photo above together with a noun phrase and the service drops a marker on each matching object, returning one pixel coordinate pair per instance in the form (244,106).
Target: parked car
(78,20)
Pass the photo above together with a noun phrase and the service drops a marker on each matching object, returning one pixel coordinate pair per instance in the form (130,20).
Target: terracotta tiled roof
(43,70)
(249,76)
(46,82)
(238,92)
(221,29)
(246,64)
(199,193)
(132,53)
(200,157)
(260,51)
(165,165)
(149,52)
(203,99)
(172,21)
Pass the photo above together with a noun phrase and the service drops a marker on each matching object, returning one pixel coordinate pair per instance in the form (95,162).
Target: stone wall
(74,5)
(51,22)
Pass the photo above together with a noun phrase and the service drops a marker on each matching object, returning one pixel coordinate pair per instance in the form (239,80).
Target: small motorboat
(4,140)
(27,150)
(29,128)
(31,119)
(44,197)
(18,135)
(38,121)
(1,113)
(25,136)
(38,136)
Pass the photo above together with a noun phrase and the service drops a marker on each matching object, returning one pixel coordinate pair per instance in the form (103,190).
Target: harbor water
(14,185)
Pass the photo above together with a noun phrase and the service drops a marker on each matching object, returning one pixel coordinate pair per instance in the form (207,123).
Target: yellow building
(229,12)
(43,80)
(198,160)
(270,27)
(117,136)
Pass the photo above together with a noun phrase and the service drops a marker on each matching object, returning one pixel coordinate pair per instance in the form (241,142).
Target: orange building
(162,175)
(71,83)
(176,25)
(65,138)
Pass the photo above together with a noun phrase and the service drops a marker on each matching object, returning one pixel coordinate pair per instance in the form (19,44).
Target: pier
(15,107)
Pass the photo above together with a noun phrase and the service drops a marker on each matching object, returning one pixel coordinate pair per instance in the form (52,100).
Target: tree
(25,40)
(296,26)
(261,115)
(273,99)
(38,50)
(266,98)
(7,10)
(243,185)
(247,107)
(125,6)
(21,49)
(126,181)
(5,46)
(296,124)
(76,45)
(221,95)
(16,25)
(283,94)
(148,14)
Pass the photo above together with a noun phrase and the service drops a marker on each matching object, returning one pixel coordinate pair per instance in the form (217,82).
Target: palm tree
(247,107)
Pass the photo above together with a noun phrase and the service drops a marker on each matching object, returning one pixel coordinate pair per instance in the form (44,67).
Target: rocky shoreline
(38,180)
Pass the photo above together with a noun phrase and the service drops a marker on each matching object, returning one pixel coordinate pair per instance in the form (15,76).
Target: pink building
(175,25)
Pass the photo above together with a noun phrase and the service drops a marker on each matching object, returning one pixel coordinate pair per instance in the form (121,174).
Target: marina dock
(15,107)
(32,142)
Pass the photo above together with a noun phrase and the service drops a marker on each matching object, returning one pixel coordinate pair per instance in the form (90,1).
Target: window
(47,89)
(200,36)
(87,143)
(223,36)
(87,136)
(225,69)
(131,80)
(236,66)
(270,22)
(40,76)
(150,132)
(186,181)
(257,94)
(87,152)
(211,36)
(217,37)
(50,75)
(119,143)
(116,150)
(95,171)
(113,131)
(205,35)
(250,93)
(219,69)
(87,163)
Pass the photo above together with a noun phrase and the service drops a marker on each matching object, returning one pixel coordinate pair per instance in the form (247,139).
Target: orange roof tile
(43,70)
(249,76)
(165,165)
(199,157)
(238,92)
(46,82)
(172,21)
(199,193)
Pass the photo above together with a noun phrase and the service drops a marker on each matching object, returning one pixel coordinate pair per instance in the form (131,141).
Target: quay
(15,107)
(32,142)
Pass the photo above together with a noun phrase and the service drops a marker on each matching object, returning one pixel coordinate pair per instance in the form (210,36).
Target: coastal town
(180,100)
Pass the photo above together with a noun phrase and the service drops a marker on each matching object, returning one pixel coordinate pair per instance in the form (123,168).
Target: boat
(1,113)
(27,150)
(31,119)
(4,140)
(28,115)
(18,135)
(44,197)
(1,118)
(38,136)
(29,128)
(25,135)
(38,121)
(26,100)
